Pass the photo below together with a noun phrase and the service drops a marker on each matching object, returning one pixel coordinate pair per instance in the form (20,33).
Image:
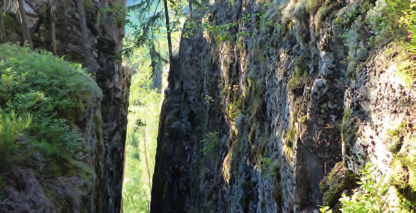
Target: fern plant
(54,91)
(210,144)
(10,126)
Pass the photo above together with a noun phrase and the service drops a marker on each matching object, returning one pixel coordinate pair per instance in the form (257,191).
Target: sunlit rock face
(292,89)
(103,126)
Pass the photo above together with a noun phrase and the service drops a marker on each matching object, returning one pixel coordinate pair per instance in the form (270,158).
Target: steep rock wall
(104,131)
(268,98)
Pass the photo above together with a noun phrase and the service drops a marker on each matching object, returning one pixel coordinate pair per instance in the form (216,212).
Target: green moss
(299,76)
(328,7)
(288,151)
(11,25)
(97,125)
(348,130)
(88,5)
(79,106)
(312,6)
(404,178)
(300,65)
(58,166)
(75,112)
(302,120)
(294,83)
(252,135)
(336,182)
(406,72)
(290,136)
(347,115)
(297,108)
(49,193)
(397,136)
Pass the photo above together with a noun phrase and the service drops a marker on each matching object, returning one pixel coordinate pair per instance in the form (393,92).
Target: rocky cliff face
(274,106)
(103,120)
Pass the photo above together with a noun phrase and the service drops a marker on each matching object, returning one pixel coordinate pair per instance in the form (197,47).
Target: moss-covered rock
(44,101)
(338,181)
(52,90)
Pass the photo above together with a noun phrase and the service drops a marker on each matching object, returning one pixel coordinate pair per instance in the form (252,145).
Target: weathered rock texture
(103,124)
(292,88)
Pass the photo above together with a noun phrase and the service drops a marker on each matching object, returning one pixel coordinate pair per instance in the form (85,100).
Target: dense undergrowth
(42,97)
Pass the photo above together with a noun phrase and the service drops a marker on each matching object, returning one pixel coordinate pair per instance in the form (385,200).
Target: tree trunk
(89,61)
(190,11)
(2,31)
(53,34)
(25,27)
(165,2)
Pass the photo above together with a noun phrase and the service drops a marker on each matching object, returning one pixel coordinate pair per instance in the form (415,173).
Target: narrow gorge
(288,106)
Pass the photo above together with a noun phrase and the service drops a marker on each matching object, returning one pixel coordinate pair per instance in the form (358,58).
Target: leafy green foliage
(233,109)
(350,17)
(372,196)
(52,90)
(10,126)
(115,13)
(142,130)
(222,31)
(147,30)
(264,162)
(392,19)
(208,99)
